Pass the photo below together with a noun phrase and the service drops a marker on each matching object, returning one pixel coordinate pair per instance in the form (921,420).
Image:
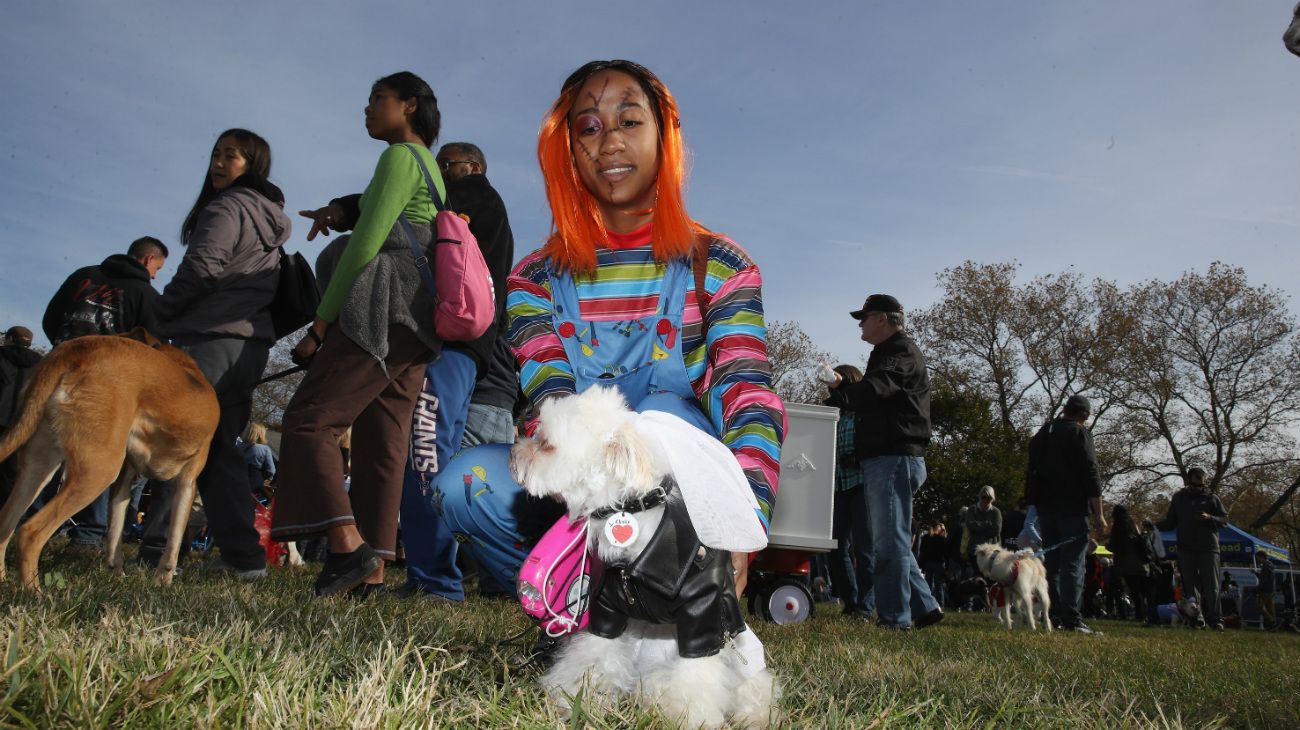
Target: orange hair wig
(577,227)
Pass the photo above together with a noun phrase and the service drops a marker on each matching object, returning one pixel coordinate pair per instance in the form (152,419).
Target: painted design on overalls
(568,330)
(641,356)
(665,333)
(476,471)
(624,327)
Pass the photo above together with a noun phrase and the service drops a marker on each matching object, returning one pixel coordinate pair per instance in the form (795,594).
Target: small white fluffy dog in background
(589,452)
(1024,582)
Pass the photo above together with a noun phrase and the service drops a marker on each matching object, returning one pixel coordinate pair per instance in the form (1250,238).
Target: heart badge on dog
(621,529)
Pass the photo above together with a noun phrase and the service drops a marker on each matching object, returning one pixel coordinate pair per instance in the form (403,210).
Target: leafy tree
(1198,371)
(970,447)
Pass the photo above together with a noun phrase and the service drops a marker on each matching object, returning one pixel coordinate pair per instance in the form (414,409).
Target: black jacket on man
(892,401)
(1062,474)
(114,297)
(1184,516)
(474,197)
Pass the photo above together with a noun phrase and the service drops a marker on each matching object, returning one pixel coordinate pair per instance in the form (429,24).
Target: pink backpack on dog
(460,284)
(555,578)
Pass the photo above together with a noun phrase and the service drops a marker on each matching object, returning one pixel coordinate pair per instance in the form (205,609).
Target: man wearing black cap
(893,405)
(1064,485)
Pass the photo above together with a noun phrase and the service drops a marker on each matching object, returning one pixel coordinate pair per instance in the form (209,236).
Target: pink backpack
(464,303)
(555,577)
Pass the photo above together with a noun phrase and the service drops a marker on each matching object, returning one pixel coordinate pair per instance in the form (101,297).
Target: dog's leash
(1043,551)
(281,374)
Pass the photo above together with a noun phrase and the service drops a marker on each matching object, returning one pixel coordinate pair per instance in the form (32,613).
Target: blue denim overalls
(641,357)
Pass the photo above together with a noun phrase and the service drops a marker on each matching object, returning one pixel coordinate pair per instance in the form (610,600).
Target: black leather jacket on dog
(675,580)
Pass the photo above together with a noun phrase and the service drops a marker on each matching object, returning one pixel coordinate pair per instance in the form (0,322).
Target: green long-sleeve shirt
(396,188)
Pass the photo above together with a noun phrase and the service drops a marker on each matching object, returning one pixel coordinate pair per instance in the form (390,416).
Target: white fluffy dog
(1024,581)
(589,452)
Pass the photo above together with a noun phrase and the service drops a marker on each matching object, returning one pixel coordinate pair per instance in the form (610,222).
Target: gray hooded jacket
(387,291)
(227,279)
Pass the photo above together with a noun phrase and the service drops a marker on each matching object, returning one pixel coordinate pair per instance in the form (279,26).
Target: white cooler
(805,498)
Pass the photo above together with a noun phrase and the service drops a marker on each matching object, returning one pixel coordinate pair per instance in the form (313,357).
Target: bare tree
(794,358)
(1210,371)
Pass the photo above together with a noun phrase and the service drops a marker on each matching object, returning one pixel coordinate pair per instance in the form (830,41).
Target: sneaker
(345,571)
(930,619)
(1086,630)
(219,566)
(1217,627)
(366,591)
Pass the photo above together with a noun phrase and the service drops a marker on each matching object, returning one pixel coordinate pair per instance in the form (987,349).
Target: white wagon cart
(801,521)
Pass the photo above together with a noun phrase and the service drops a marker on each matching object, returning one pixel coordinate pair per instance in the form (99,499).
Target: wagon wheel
(789,602)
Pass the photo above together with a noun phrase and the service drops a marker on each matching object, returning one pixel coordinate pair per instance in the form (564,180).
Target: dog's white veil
(718,498)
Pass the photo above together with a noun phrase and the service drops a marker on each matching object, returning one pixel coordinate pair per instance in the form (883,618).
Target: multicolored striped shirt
(730,372)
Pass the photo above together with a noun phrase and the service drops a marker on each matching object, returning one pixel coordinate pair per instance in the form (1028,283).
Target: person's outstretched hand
(827,375)
(323,219)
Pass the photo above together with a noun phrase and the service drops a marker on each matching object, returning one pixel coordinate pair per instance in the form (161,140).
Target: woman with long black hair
(1132,559)
(217,308)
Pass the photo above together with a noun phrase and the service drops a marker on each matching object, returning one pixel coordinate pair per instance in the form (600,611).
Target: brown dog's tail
(36,392)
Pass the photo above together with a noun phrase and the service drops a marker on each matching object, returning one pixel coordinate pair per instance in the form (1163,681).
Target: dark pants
(1138,590)
(346,386)
(1200,571)
(233,366)
(936,576)
(91,523)
(850,563)
(1068,535)
(1267,609)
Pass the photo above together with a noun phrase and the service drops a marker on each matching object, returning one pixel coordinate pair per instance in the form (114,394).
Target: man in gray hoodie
(1197,514)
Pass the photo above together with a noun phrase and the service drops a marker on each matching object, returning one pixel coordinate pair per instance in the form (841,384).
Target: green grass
(97,650)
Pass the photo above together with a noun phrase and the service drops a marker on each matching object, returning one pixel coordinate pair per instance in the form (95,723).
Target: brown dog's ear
(140,334)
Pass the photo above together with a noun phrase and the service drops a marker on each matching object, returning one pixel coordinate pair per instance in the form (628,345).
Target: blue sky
(851,147)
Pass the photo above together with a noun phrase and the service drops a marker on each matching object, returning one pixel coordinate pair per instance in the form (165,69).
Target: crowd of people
(1135,579)
(628,291)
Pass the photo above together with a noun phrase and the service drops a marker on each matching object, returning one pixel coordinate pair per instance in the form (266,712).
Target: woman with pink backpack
(368,346)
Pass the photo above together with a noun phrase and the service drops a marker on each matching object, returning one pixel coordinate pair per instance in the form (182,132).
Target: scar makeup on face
(595,105)
(588,124)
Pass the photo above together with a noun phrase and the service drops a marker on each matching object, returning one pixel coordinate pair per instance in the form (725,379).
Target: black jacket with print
(675,580)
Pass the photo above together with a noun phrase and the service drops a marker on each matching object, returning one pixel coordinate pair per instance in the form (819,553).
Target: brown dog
(107,407)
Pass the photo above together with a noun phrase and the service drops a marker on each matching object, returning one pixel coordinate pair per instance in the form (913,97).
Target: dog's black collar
(653,498)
